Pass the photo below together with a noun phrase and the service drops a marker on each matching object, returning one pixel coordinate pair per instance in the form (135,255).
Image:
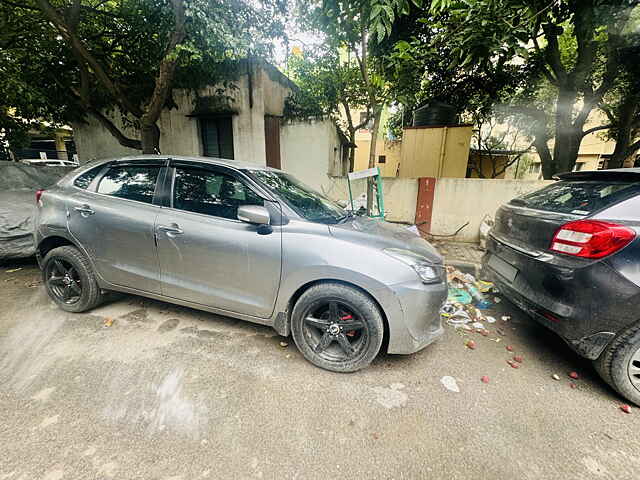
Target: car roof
(614,174)
(237,164)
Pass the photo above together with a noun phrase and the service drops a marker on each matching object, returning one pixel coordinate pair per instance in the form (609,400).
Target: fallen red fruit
(513,364)
(510,348)
(574,375)
(625,408)
(572,385)
(485,379)
(484,333)
(470,344)
(518,358)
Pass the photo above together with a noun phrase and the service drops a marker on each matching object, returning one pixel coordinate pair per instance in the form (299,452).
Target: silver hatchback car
(243,241)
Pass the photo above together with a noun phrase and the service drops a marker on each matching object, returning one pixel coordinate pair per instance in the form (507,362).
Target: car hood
(383,234)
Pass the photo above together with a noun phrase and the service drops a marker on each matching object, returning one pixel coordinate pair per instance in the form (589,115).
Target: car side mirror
(254,214)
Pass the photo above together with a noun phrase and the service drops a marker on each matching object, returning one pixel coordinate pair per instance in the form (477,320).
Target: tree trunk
(623,131)
(150,138)
(377,112)
(567,138)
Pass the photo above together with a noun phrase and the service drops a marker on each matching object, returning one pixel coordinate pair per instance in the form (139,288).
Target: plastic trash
(450,384)
(625,408)
(555,376)
(458,295)
(484,286)
(483,305)
(284,344)
(490,319)
(478,325)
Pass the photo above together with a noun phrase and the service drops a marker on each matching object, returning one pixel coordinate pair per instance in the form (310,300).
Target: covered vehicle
(18,184)
(569,254)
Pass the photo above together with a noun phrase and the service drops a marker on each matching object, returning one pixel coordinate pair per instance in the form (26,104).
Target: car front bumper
(414,320)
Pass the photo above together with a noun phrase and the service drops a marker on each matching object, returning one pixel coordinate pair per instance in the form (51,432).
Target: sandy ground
(171,393)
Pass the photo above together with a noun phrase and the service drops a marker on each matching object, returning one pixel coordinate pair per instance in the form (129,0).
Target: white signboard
(370,172)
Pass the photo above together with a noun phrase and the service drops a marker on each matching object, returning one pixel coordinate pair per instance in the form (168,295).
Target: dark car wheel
(337,327)
(619,364)
(69,280)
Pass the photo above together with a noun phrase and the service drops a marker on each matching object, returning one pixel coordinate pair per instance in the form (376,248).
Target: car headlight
(426,270)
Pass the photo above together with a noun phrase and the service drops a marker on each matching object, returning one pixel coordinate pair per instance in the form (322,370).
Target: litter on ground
(450,384)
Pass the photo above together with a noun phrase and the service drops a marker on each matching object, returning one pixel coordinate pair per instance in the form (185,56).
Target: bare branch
(595,129)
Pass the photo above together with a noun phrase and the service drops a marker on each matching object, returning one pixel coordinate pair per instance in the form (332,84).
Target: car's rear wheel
(337,327)
(619,364)
(69,280)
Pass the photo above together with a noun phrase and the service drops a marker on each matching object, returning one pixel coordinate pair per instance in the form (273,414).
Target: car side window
(211,193)
(84,180)
(130,182)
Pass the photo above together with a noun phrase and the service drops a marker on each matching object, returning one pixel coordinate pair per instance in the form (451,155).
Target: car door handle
(84,209)
(173,228)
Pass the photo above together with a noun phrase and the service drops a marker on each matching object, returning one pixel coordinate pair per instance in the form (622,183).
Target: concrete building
(244,122)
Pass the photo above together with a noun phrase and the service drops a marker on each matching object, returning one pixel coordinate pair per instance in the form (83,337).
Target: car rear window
(578,197)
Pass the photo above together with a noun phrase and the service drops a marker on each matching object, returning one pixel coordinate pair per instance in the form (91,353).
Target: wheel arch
(49,243)
(303,288)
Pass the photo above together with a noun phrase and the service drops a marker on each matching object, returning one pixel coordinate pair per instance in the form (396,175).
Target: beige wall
(180,134)
(311,150)
(458,200)
(435,152)
(400,195)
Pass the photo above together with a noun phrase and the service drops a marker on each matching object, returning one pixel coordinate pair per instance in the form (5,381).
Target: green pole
(350,195)
(380,194)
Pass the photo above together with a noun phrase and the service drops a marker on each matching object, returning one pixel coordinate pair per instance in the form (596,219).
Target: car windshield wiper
(346,217)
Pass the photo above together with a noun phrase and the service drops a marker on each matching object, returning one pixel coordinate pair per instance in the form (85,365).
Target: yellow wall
(384,147)
(435,151)
(486,165)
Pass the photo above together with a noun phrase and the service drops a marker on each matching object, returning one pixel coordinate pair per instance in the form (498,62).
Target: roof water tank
(434,114)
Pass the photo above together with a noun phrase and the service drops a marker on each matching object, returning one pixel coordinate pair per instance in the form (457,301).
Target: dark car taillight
(591,238)
(39,195)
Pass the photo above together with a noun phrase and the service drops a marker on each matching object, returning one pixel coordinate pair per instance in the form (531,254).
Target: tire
(328,315)
(614,364)
(81,283)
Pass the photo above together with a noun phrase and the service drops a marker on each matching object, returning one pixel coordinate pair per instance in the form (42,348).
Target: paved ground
(172,393)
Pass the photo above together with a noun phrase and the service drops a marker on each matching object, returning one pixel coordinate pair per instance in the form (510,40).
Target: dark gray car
(569,254)
(244,241)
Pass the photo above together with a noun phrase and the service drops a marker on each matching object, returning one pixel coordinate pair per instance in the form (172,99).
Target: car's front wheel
(337,327)
(619,364)
(69,280)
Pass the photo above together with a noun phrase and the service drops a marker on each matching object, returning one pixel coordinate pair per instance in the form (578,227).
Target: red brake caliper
(350,333)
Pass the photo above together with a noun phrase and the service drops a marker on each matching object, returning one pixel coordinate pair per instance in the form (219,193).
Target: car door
(113,220)
(207,256)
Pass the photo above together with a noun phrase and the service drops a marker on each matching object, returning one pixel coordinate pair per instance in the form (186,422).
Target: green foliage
(129,39)
(326,82)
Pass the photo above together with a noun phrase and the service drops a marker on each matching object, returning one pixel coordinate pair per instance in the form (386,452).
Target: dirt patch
(168,325)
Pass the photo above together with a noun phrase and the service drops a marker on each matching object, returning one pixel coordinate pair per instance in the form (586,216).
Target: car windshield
(305,201)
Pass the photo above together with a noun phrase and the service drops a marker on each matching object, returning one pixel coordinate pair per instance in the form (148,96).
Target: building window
(369,123)
(217,137)
(382,159)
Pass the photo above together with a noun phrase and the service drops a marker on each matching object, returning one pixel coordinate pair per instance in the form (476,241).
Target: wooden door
(272,140)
